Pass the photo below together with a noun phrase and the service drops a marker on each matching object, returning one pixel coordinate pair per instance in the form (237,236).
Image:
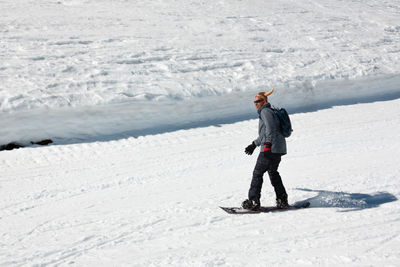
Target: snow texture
(150,107)
(153,200)
(127,66)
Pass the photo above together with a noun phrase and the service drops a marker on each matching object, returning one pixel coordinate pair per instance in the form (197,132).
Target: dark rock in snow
(44,142)
(11,146)
(15,145)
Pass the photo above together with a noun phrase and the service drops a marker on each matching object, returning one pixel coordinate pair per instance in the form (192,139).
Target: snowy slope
(153,200)
(149,105)
(65,59)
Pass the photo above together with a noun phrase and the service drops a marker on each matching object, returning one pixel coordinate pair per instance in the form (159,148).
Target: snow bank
(71,69)
(103,122)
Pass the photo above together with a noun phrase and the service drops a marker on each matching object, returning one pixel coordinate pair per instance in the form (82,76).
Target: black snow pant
(270,164)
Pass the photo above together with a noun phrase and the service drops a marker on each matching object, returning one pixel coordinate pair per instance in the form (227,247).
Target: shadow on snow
(347,201)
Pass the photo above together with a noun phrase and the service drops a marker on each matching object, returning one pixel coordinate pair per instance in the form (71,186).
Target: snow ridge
(134,118)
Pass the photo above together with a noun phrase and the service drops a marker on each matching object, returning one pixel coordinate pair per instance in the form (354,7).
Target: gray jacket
(268,131)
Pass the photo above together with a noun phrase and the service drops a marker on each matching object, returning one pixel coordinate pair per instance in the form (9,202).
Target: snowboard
(237,210)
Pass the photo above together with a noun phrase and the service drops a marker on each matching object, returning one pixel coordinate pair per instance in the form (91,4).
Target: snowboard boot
(282,202)
(251,204)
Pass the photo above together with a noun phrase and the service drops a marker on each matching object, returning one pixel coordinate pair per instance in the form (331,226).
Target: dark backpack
(285,125)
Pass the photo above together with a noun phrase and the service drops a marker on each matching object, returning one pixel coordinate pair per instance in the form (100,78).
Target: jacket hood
(264,106)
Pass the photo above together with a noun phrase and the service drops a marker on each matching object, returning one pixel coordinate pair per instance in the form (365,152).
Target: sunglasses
(258,101)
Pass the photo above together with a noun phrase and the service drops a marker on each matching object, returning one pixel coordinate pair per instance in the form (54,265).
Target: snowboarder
(273,146)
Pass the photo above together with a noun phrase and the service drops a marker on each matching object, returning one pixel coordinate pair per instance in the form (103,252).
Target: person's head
(262,98)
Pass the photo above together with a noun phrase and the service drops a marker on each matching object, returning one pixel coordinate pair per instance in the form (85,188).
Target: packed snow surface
(153,200)
(121,66)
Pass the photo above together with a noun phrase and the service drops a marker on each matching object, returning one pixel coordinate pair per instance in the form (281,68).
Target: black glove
(267,149)
(250,149)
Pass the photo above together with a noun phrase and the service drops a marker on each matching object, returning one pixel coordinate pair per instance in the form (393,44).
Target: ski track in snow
(153,200)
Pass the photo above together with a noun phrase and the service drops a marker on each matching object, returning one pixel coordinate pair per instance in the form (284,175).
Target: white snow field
(106,61)
(149,104)
(153,200)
